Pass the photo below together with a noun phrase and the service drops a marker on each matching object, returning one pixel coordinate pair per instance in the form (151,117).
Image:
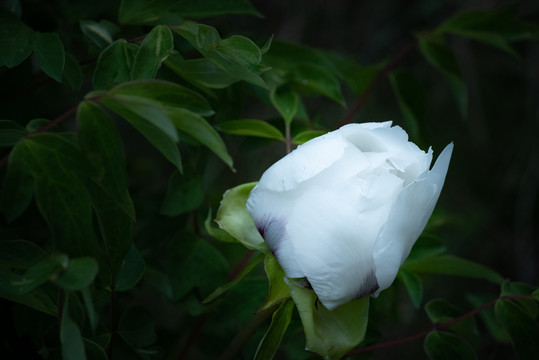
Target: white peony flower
(344,209)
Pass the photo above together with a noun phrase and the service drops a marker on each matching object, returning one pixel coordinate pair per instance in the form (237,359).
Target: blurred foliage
(122,124)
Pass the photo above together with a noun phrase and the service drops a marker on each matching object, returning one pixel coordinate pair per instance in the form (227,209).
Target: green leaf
(319,80)
(38,299)
(511,288)
(198,265)
(278,288)
(250,127)
(150,120)
(356,76)
(171,12)
(114,64)
(440,56)
(410,94)
(15,41)
(70,337)
(10,133)
(223,289)
(330,334)
(100,33)
(285,100)
(35,276)
(137,327)
(488,316)
(79,274)
(496,28)
(72,73)
(197,127)
(102,146)
(17,189)
(89,306)
(151,53)
(523,329)
(272,338)
(237,55)
(452,265)
(427,245)
(441,311)
(131,271)
(183,195)
(60,175)
(20,254)
(200,72)
(233,217)
(413,285)
(215,232)
(167,94)
(50,54)
(307,135)
(442,345)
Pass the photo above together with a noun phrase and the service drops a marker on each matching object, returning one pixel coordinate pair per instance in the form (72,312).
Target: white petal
(407,219)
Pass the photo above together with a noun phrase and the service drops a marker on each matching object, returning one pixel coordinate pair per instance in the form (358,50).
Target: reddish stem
(424,333)
(362,99)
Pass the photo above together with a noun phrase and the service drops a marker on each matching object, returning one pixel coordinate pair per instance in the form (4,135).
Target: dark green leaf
(223,289)
(200,72)
(60,176)
(199,265)
(452,265)
(413,285)
(285,100)
(114,64)
(182,195)
(511,288)
(410,94)
(102,146)
(79,274)
(94,351)
(72,72)
(427,245)
(131,271)
(150,120)
(50,54)
(137,327)
(70,337)
(488,316)
(523,329)
(36,124)
(237,55)
(197,127)
(17,189)
(318,79)
(441,311)
(171,12)
(15,41)
(272,338)
(250,127)
(89,306)
(153,50)
(38,299)
(38,274)
(356,76)
(20,254)
(440,56)
(442,345)
(10,133)
(496,28)
(100,33)
(168,94)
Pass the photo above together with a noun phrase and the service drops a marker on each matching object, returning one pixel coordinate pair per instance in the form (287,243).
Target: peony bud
(344,210)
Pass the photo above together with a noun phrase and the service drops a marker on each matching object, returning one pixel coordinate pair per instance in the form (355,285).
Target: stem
(424,333)
(288,139)
(362,99)
(243,336)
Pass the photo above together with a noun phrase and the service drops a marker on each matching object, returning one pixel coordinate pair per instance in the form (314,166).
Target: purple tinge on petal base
(369,285)
(272,230)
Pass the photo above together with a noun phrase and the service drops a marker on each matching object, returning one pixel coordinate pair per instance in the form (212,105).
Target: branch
(362,99)
(424,333)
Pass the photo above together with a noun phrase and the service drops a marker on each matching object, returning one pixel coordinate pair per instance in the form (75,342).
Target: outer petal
(407,219)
